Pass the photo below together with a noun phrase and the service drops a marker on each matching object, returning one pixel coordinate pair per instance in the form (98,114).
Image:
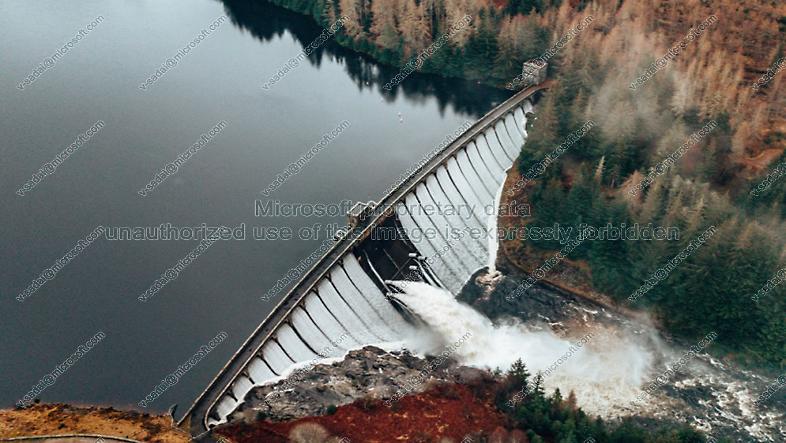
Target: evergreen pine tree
(519,374)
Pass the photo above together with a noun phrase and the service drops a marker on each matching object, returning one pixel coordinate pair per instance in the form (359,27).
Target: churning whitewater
(605,371)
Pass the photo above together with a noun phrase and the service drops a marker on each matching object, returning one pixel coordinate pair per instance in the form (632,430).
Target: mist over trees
(554,418)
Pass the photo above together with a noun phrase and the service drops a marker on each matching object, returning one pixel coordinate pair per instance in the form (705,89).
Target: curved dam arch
(342,302)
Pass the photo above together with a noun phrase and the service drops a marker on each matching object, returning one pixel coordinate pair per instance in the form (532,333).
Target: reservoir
(231,143)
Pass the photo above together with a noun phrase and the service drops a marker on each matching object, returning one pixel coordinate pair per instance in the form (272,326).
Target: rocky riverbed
(626,369)
(682,382)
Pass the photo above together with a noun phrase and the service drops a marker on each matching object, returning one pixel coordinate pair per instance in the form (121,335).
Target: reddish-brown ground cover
(61,419)
(449,411)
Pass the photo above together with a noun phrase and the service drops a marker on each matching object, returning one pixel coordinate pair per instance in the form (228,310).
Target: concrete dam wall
(343,301)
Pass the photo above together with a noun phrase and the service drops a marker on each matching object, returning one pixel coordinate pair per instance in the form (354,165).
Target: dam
(346,293)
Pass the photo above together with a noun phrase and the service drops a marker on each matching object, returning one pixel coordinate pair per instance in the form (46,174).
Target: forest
(652,100)
(552,418)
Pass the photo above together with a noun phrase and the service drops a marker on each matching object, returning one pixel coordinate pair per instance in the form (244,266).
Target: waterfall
(493,232)
(606,372)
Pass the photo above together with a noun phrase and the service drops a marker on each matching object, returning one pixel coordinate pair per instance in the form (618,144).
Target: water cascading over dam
(343,302)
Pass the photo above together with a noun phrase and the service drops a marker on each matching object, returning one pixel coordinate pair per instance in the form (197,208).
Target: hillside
(716,71)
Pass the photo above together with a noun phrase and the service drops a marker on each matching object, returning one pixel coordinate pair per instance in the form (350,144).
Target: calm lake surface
(219,79)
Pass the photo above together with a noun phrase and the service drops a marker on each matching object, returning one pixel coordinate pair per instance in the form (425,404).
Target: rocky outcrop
(369,373)
(446,413)
(683,384)
(503,296)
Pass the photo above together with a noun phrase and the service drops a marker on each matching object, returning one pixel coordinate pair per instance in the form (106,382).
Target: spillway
(414,233)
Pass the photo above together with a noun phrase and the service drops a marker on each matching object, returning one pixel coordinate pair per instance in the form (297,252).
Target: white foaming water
(605,373)
(492,230)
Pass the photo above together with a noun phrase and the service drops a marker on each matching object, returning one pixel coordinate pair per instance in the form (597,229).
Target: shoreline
(358,48)
(62,420)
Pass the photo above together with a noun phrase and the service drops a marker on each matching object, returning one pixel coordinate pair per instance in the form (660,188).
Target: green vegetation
(637,128)
(712,289)
(550,418)
(395,32)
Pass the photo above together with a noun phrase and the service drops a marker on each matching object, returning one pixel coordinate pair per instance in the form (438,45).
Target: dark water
(219,79)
